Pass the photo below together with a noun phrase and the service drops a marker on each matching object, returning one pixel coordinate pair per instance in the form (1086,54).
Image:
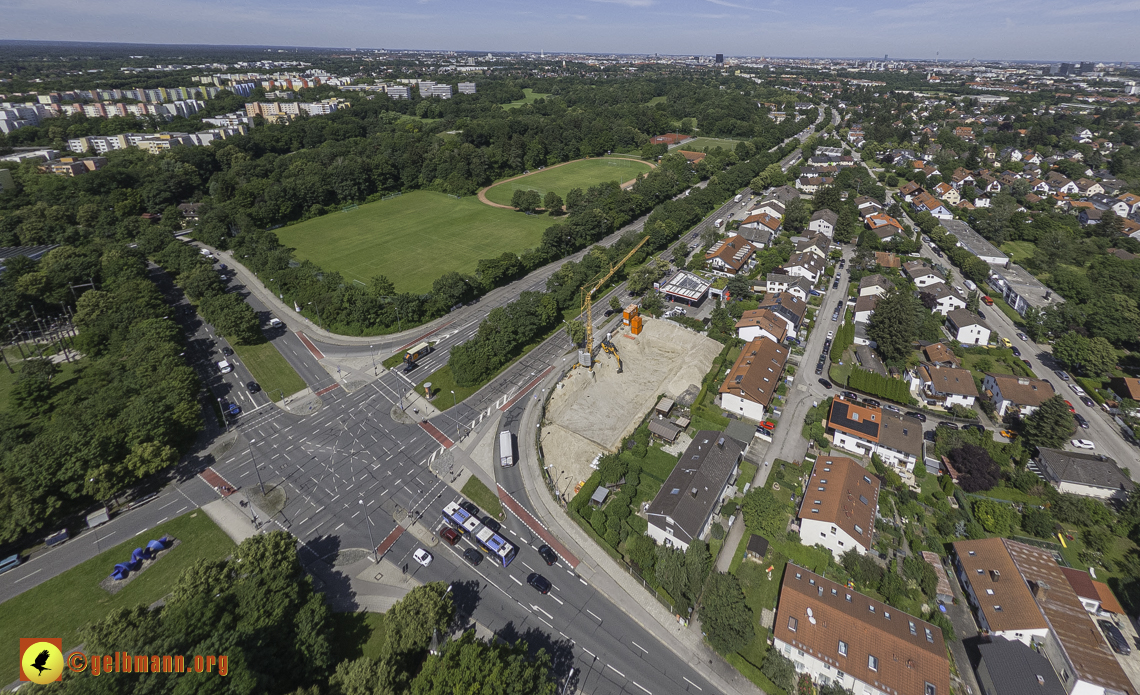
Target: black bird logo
(41,659)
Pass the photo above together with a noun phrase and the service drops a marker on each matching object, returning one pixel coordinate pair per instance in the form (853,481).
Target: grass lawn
(269,368)
(413,239)
(357,634)
(581,174)
(747,473)
(530,98)
(61,606)
(703,143)
(442,384)
(481,495)
(1019,250)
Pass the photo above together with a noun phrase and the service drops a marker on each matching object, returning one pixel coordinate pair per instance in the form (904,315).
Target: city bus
(483,536)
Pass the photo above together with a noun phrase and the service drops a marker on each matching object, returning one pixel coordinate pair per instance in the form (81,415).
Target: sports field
(562,179)
(413,239)
(529,98)
(702,143)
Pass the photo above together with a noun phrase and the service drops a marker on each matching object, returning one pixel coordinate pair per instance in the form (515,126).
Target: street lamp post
(249,447)
(371,351)
(368,522)
(318,310)
(225,420)
(457,434)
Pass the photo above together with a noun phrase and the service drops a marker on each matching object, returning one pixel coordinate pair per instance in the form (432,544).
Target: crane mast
(586,355)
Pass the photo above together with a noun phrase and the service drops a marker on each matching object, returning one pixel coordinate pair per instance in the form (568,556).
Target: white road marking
(640,686)
(639,647)
(558,600)
(592,613)
(590,652)
(617,671)
(692,683)
(27,575)
(167,505)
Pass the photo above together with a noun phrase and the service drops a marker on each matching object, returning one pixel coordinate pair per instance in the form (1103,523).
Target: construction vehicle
(586,354)
(612,349)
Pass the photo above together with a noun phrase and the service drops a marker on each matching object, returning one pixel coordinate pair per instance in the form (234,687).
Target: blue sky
(958,29)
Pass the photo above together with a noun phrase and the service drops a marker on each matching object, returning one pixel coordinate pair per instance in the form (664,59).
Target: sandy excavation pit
(591,414)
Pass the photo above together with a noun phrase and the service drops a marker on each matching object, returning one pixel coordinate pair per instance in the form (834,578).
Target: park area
(61,606)
(702,144)
(563,178)
(413,239)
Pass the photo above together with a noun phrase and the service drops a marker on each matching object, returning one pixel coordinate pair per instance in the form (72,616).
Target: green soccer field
(561,179)
(413,239)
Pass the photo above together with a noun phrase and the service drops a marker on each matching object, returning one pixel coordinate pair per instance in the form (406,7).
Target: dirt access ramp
(590,413)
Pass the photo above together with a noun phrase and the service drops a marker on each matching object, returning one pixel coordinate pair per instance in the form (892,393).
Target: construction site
(590,412)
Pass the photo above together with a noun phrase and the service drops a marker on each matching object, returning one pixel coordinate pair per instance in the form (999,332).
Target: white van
(225,367)
(506,449)
(275,322)
(718,223)
(739,197)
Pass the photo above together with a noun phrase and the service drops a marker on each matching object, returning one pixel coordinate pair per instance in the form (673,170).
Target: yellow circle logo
(42,663)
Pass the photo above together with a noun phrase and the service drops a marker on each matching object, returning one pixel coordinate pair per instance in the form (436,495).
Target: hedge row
(878,385)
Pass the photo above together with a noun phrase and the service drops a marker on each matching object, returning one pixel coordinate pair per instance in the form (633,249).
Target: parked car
(948,425)
(548,554)
(450,535)
(818,369)
(1115,637)
(816,293)
(1088,401)
(1016,352)
(1071,408)
(1028,364)
(928,435)
(1076,389)
(1083,444)
(1081,421)
(981,315)
(1063,375)
(917,416)
(1008,434)
(851,396)
(872,402)
(1023,337)
(825,383)
(469,507)
(767,425)
(539,582)
(253,387)
(227,351)
(422,556)
(893,408)
(473,556)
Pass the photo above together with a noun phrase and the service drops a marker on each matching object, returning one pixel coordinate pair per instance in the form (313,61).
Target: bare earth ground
(590,414)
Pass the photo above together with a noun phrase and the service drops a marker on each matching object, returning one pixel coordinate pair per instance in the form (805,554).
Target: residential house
(909,189)
(884,226)
(838,506)
(961,177)
(812,184)
(1133,202)
(967,327)
(838,636)
(1090,215)
(694,158)
(1107,202)
(964,132)
(749,386)
(867,205)
(1011,668)
(1021,393)
(761,220)
(1096,597)
(787,307)
(924,202)
(73,166)
(1088,186)
(947,193)
(944,297)
(865,307)
(818,244)
(770,206)
(1125,388)
(864,430)
(806,264)
(681,511)
(948,386)
(1058,183)
(921,274)
(761,323)
(729,256)
(784,194)
(823,222)
(874,284)
(1019,593)
(1080,473)
(939,354)
(759,236)
(782,282)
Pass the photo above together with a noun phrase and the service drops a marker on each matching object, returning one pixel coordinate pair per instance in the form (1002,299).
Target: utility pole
(368,522)
(249,447)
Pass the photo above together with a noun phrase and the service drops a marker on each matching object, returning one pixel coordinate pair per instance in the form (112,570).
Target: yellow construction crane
(586,356)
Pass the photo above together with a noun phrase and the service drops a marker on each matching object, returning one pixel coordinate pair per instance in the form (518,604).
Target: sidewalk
(600,570)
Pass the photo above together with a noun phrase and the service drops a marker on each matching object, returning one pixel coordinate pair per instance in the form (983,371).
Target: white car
(422,556)
(1083,444)
(225,367)
(831,334)
(1077,389)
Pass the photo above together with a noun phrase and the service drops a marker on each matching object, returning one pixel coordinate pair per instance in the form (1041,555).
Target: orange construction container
(635,325)
(629,313)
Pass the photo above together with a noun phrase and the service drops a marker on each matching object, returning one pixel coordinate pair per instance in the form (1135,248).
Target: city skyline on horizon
(1020,30)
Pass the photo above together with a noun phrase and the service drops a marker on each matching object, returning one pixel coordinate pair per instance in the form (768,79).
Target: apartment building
(839,505)
(751,383)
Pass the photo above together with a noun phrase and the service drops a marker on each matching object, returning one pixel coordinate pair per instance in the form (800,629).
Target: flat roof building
(686,288)
(974,242)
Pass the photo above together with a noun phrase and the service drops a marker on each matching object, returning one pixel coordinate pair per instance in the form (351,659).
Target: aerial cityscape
(608,347)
